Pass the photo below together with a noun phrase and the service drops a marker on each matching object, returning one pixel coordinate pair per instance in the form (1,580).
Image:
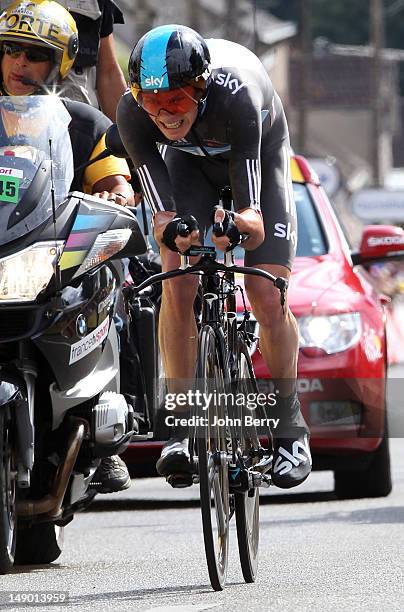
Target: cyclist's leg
(178,335)
(278,328)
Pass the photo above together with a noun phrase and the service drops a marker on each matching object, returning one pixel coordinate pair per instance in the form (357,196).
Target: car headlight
(333,333)
(24,275)
(104,247)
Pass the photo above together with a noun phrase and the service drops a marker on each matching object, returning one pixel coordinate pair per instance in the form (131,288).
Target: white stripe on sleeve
(254,181)
(149,188)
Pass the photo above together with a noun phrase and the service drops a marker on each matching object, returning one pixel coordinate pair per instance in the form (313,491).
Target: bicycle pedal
(180,481)
(256,479)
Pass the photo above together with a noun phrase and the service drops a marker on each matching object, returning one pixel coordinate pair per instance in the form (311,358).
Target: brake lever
(218,229)
(183,230)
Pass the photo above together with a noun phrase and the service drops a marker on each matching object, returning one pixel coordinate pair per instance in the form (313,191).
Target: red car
(343,350)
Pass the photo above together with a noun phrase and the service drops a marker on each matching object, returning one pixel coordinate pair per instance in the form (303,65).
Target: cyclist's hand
(249,227)
(249,222)
(168,228)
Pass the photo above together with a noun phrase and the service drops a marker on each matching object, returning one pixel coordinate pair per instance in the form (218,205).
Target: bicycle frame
(227,464)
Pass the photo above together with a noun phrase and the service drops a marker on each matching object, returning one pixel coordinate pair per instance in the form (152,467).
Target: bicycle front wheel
(212,461)
(247,502)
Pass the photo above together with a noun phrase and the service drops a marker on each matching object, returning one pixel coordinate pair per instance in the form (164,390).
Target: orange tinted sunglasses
(175,101)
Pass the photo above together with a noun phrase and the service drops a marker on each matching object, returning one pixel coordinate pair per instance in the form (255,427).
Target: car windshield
(36,159)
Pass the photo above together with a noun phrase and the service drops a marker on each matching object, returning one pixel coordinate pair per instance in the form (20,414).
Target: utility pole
(229,19)
(377,44)
(255,27)
(194,14)
(305,56)
(144,16)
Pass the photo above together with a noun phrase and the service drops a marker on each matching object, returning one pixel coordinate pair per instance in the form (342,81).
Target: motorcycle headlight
(24,275)
(104,247)
(333,333)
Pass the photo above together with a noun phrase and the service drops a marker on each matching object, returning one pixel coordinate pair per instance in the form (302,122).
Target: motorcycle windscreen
(35,155)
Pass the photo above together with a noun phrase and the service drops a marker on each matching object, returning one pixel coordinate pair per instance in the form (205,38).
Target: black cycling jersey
(242,114)
(240,137)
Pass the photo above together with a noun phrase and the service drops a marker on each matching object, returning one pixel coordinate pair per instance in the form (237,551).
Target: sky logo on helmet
(153,58)
(154,81)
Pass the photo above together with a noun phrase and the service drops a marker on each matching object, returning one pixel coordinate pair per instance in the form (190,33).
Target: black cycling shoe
(111,476)
(292,459)
(175,459)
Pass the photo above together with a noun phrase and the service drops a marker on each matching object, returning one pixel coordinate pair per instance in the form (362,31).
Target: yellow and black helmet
(44,23)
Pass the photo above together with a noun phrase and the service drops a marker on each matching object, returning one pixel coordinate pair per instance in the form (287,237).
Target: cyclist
(201,115)
(38,44)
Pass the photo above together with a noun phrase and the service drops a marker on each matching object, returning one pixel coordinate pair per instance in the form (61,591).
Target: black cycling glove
(179,226)
(227,228)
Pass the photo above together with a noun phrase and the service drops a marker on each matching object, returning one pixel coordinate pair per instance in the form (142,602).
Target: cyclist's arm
(244,167)
(139,136)
(246,133)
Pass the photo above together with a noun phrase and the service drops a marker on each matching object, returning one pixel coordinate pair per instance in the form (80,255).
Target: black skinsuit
(239,138)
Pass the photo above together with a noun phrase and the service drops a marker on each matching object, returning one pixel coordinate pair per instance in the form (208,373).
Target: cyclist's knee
(265,302)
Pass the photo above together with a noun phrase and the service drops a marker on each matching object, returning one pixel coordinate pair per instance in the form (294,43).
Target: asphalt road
(143,550)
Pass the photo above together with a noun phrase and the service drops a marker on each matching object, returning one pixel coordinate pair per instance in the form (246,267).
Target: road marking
(190,608)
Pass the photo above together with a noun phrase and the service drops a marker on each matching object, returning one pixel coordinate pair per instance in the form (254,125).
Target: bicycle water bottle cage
(179,226)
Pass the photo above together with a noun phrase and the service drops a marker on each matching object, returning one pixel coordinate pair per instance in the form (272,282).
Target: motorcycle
(62,323)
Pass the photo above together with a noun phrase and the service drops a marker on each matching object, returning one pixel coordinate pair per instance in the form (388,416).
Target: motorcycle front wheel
(8,517)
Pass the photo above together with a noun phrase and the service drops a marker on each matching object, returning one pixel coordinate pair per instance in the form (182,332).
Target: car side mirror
(379,242)
(114,143)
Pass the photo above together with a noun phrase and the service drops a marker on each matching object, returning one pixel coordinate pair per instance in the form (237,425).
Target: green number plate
(9,189)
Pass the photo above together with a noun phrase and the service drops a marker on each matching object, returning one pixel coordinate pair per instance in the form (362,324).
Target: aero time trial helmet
(169,57)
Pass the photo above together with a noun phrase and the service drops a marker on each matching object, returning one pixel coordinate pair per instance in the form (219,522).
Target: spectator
(96,77)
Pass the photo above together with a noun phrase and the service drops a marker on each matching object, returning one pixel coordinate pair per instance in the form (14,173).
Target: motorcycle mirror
(114,143)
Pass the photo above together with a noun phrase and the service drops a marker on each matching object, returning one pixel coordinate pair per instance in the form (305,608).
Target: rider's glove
(179,226)
(227,228)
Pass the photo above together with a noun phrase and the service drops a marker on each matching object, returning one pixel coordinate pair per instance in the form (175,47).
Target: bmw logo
(81,325)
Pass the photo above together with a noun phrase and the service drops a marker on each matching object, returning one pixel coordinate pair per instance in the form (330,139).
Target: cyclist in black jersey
(201,115)
(38,44)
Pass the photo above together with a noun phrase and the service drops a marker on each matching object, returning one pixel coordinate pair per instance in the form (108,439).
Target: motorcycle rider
(38,45)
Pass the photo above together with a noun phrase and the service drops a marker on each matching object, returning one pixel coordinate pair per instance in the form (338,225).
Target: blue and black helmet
(169,57)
